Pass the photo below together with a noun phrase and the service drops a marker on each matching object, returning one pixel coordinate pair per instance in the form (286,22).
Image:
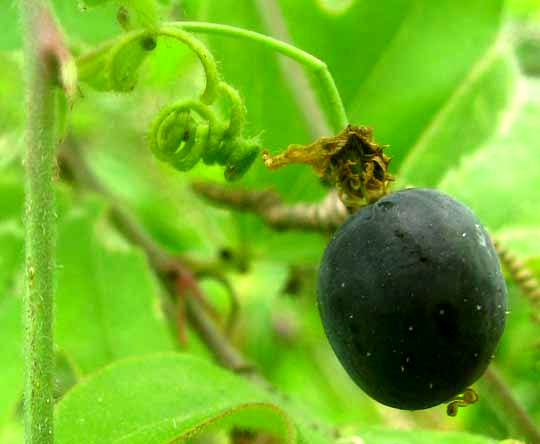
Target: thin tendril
(336,111)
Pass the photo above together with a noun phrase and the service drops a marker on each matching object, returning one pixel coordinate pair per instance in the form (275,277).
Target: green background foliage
(438,81)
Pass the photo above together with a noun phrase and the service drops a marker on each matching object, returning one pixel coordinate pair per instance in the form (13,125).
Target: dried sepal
(351,161)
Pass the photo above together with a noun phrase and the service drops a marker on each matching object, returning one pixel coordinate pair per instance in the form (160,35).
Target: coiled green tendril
(187,131)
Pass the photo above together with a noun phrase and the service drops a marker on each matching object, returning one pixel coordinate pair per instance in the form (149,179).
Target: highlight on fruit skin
(412,298)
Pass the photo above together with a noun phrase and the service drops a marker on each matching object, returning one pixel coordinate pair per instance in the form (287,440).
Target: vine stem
(336,111)
(44,61)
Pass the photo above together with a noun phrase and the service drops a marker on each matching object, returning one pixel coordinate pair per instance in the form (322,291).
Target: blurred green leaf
(91,3)
(145,11)
(499,182)
(86,25)
(126,59)
(467,120)
(11,377)
(9,24)
(106,304)
(114,65)
(187,395)
(12,433)
(283,335)
(399,64)
(520,8)
(380,435)
(11,190)
(11,91)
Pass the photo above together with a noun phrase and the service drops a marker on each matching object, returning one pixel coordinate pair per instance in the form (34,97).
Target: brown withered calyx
(351,161)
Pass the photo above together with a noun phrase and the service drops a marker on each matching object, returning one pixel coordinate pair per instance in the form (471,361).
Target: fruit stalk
(41,67)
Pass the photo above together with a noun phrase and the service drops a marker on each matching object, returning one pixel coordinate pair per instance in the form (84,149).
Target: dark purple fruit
(412,298)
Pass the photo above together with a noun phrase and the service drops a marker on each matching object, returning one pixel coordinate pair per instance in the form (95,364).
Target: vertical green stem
(41,70)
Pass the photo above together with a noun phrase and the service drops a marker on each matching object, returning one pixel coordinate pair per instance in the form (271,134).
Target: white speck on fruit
(441,311)
(343,285)
(351,316)
(408,359)
(463,234)
(368,354)
(402,369)
(507,312)
(411,328)
(478,307)
(480,236)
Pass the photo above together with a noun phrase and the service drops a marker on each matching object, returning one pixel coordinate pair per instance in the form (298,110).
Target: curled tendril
(189,131)
(468,397)
(207,60)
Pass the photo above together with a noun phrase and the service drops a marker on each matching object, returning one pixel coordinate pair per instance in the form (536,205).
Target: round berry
(412,298)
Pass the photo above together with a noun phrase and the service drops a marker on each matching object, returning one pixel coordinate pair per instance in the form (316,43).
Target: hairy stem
(41,72)
(336,111)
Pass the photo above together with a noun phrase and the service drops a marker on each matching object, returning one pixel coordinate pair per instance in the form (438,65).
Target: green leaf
(11,90)
(469,117)
(145,11)
(12,192)
(522,8)
(160,398)
(106,303)
(93,67)
(426,59)
(283,336)
(12,433)
(91,3)
(86,25)
(11,370)
(398,64)
(501,182)
(381,435)
(114,65)
(9,24)
(125,60)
